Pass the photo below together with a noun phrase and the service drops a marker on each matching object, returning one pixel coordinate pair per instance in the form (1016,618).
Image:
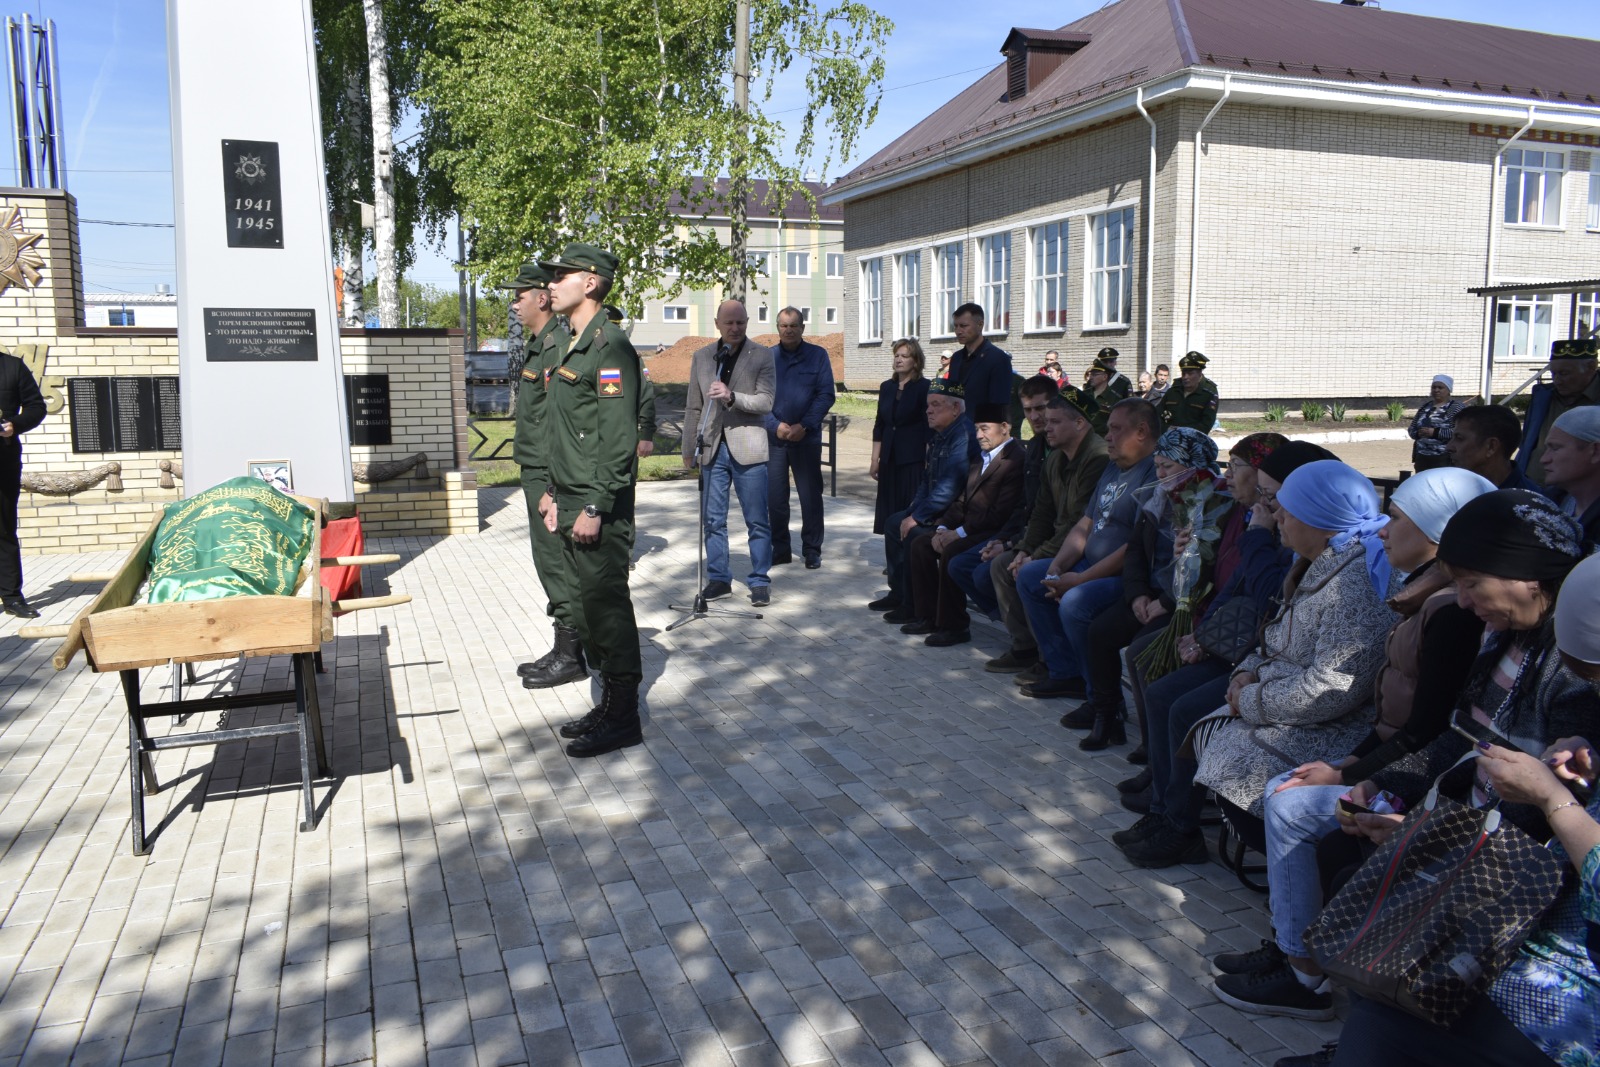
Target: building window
(674,313)
(120,316)
(994,285)
(1533,187)
(1588,312)
(1594,201)
(1047,277)
(798,264)
(870,324)
(1523,329)
(805,314)
(946,286)
(836,264)
(761,313)
(1110,273)
(907,293)
(760,262)
(830,316)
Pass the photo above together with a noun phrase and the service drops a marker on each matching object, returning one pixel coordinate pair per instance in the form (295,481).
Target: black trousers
(1113,630)
(1376,1035)
(804,460)
(10,494)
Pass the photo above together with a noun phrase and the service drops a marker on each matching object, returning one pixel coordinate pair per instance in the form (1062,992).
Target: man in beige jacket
(731,385)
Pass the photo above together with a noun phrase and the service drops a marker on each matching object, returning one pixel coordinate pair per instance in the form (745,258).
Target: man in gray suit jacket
(731,385)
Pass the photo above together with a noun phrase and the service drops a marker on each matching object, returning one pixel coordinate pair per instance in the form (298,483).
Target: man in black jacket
(21,409)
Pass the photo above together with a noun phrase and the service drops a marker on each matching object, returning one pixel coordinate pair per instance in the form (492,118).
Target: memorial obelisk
(258,338)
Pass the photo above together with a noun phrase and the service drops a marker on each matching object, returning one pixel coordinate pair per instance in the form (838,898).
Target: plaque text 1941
(252,194)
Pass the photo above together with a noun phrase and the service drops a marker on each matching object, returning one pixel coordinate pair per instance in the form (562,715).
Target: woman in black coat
(900,435)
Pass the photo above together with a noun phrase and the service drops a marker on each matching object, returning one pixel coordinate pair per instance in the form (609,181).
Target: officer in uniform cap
(592,425)
(1118,383)
(1192,401)
(547,339)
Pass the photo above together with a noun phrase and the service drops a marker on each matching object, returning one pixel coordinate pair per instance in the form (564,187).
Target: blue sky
(118,152)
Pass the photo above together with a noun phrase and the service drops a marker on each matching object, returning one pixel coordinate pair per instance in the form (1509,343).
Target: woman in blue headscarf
(1307,691)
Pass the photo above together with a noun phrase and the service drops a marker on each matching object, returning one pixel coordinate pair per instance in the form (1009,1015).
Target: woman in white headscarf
(1433,424)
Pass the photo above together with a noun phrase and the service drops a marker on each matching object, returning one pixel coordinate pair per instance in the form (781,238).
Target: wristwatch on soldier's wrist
(591,511)
(550,490)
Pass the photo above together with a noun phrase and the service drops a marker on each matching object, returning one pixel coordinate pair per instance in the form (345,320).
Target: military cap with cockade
(580,256)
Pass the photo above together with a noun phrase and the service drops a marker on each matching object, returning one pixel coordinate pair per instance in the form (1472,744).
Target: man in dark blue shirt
(794,438)
(981,370)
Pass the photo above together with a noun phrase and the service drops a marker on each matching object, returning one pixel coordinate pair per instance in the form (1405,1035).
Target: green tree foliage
(583,120)
(434,307)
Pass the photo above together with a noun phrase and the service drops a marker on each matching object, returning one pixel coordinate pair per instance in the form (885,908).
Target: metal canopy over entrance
(1494,293)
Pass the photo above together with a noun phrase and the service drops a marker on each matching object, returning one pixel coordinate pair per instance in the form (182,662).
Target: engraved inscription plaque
(124,414)
(366,399)
(261,335)
(252,194)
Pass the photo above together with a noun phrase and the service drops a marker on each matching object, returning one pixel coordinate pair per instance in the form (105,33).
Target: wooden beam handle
(362,603)
(91,576)
(359,561)
(35,633)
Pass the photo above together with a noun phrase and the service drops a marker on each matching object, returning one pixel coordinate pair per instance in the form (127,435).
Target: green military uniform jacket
(1197,410)
(592,422)
(541,354)
(647,406)
(1064,495)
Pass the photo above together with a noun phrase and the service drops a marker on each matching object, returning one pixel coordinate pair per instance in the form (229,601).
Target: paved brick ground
(837,846)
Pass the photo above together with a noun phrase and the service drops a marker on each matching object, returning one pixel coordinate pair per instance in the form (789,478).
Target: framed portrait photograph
(278,473)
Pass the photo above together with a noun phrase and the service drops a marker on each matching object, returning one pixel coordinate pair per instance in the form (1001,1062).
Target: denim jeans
(804,458)
(970,572)
(1297,819)
(1062,628)
(749,481)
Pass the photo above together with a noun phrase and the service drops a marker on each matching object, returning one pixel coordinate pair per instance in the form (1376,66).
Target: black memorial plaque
(124,414)
(366,401)
(252,194)
(261,335)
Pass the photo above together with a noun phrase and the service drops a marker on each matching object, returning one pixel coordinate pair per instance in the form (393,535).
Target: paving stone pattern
(836,846)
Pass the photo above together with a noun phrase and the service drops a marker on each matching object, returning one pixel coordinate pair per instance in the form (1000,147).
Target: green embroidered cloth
(240,538)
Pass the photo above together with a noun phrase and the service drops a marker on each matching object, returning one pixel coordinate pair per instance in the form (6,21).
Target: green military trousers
(560,588)
(601,605)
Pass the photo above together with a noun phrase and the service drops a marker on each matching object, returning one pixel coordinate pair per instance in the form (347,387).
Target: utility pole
(738,183)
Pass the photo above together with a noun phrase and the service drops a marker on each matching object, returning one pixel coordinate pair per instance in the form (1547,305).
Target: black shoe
(18,606)
(884,603)
(1032,675)
(1321,1058)
(1169,847)
(1079,718)
(1139,756)
(716,591)
(579,727)
(761,595)
(566,665)
(946,638)
(781,559)
(1137,784)
(618,725)
(916,626)
(1275,992)
(1264,957)
(1055,689)
(813,563)
(542,664)
(898,615)
(1138,802)
(1012,661)
(1108,729)
(1147,827)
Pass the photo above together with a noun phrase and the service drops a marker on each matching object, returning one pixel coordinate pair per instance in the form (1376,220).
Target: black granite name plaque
(366,402)
(252,194)
(132,414)
(261,335)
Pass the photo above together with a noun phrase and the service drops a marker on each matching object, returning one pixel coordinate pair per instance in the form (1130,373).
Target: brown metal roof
(1139,41)
(756,206)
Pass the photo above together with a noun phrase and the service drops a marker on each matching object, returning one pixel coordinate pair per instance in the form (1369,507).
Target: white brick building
(1328,180)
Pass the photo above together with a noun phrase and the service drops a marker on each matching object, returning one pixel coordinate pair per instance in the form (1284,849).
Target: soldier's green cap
(1081,400)
(945,387)
(1101,366)
(1574,348)
(1108,353)
(531,276)
(1193,361)
(613,312)
(580,256)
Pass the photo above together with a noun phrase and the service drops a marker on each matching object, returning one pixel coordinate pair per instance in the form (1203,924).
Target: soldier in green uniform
(1193,400)
(547,340)
(1117,383)
(592,426)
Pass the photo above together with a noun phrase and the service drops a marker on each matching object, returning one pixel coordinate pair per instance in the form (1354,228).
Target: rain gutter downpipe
(1484,367)
(1194,221)
(1149,234)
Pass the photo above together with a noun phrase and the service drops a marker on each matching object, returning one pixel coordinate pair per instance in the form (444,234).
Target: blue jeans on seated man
(749,481)
(1297,820)
(970,572)
(1062,628)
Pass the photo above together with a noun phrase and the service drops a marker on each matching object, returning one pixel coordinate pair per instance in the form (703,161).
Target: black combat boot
(618,725)
(566,663)
(579,727)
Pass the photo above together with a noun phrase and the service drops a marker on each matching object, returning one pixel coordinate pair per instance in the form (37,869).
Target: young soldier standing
(592,426)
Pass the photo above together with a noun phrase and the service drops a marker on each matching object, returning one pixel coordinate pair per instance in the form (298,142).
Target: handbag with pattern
(1438,911)
(1230,631)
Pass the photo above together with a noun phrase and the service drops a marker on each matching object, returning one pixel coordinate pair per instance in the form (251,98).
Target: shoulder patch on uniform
(610,381)
(531,375)
(568,373)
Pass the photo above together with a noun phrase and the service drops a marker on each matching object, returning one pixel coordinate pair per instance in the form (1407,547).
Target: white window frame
(762,312)
(1522,165)
(830,316)
(907,293)
(947,297)
(1593,223)
(1535,346)
(674,312)
(835,264)
(1587,313)
(805,315)
(1047,289)
(788,264)
(1100,275)
(994,294)
(869,301)
(761,261)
